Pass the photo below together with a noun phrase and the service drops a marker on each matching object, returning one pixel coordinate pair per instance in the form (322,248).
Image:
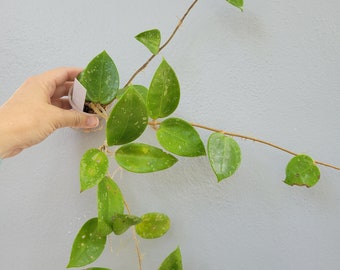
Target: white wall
(270,72)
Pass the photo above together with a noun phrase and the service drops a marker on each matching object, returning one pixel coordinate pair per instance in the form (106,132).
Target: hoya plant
(134,108)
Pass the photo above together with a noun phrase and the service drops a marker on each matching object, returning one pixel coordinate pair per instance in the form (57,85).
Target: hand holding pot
(37,109)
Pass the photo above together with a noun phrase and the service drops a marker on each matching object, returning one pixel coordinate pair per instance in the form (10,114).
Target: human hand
(37,109)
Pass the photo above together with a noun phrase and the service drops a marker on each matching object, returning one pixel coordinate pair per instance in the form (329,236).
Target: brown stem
(153,123)
(163,46)
(139,255)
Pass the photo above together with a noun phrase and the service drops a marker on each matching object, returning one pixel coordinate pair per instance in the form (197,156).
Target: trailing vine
(127,112)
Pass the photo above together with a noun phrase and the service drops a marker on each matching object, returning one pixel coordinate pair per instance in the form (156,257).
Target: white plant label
(78,95)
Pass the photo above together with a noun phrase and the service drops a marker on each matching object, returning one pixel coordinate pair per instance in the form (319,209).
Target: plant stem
(98,109)
(153,123)
(163,46)
(260,141)
(135,239)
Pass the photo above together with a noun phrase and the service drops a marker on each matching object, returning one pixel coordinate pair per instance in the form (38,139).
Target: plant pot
(81,110)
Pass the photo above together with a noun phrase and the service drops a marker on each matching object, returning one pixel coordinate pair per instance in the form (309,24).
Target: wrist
(8,138)
(5,144)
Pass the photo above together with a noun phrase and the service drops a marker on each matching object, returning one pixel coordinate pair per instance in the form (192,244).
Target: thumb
(71,118)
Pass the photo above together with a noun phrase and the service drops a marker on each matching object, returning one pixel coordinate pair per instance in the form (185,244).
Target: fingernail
(92,121)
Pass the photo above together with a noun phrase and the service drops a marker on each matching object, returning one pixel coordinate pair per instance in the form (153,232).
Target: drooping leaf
(173,261)
(153,225)
(121,223)
(302,171)
(142,90)
(151,39)
(128,119)
(224,155)
(180,138)
(110,203)
(237,3)
(143,158)
(93,168)
(87,246)
(164,92)
(101,79)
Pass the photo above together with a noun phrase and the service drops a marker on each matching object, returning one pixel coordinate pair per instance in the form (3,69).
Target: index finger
(55,77)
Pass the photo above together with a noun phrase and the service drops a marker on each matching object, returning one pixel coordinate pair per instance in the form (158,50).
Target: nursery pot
(81,110)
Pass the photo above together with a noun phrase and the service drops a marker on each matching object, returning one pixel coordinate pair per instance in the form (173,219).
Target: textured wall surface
(271,72)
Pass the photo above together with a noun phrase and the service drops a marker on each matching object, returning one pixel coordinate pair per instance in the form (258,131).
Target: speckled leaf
(87,246)
(101,79)
(121,223)
(151,39)
(224,155)
(93,168)
(164,92)
(302,171)
(153,225)
(143,158)
(180,138)
(110,202)
(237,3)
(142,90)
(173,261)
(128,119)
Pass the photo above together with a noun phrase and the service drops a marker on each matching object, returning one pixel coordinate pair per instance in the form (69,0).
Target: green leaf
(142,90)
(237,3)
(128,119)
(302,171)
(143,158)
(101,79)
(121,223)
(110,203)
(151,39)
(224,155)
(153,225)
(180,138)
(164,92)
(87,246)
(93,168)
(173,261)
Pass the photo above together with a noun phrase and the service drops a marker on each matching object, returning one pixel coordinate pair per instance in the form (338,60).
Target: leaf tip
(220,179)
(70,265)
(236,3)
